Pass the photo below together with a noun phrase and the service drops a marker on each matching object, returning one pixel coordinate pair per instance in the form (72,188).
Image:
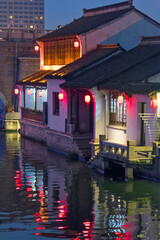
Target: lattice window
(117,112)
(60,51)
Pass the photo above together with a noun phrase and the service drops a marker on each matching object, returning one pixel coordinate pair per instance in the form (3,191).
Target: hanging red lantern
(76,44)
(60,96)
(87,99)
(41,93)
(16,91)
(36,48)
(28,92)
(154,103)
(120,99)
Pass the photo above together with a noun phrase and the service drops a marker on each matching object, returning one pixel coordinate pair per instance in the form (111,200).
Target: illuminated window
(60,51)
(117,112)
(55,103)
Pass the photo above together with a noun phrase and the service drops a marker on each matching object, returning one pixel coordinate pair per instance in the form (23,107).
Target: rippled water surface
(43,195)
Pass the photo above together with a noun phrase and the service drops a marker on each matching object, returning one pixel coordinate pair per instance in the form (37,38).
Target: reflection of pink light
(119,234)
(37,234)
(29,189)
(39,228)
(30,195)
(62,227)
(18,180)
(127,236)
(86,224)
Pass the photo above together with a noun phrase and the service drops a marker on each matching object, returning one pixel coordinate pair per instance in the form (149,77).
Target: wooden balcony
(33,115)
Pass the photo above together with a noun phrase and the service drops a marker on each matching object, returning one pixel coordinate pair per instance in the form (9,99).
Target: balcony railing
(127,153)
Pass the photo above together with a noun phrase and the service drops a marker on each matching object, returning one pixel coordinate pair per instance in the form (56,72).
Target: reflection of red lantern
(154,103)
(76,44)
(120,99)
(16,91)
(60,96)
(28,92)
(41,93)
(36,48)
(87,99)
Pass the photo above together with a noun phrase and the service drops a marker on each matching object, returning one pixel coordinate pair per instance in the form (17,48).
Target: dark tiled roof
(88,59)
(84,24)
(108,72)
(135,79)
(37,79)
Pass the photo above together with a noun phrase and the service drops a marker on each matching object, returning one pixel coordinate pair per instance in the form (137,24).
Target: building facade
(22,14)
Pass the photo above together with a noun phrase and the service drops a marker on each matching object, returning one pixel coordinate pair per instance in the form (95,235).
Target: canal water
(43,195)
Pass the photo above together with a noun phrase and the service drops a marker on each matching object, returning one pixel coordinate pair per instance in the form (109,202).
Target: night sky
(61,12)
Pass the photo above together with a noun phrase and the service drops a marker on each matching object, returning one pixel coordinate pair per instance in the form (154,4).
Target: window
(117,111)
(55,103)
(60,51)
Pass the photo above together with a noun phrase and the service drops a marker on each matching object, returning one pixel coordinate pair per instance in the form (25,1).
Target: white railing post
(130,150)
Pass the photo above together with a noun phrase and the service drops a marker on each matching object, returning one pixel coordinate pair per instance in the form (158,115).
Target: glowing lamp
(36,48)
(154,103)
(16,91)
(41,93)
(60,96)
(76,44)
(120,99)
(87,99)
(29,92)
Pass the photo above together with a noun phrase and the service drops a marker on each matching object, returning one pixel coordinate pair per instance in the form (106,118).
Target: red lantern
(120,99)
(60,96)
(16,91)
(154,103)
(87,99)
(76,44)
(41,93)
(36,48)
(28,92)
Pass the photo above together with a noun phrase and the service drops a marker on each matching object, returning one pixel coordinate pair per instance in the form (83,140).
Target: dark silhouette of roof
(87,23)
(90,59)
(122,71)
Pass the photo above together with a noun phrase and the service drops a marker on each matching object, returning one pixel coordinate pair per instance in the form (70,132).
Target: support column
(69,107)
(129,174)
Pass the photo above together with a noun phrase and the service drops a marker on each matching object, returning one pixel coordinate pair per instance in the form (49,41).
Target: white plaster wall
(99,121)
(116,134)
(56,122)
(132,117)
(91,39)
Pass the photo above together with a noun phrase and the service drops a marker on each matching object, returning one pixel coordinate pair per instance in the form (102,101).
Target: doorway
(141,124)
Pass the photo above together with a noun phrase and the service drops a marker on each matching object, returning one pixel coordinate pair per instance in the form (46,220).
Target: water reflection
(44,195)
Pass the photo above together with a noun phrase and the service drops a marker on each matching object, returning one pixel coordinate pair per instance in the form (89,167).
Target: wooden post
(130,150)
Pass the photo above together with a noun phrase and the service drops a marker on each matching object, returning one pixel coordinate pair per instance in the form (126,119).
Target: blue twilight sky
(61,12)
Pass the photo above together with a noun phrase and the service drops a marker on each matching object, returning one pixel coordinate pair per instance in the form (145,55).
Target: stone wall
(55,141)
(10,52)
(33,130)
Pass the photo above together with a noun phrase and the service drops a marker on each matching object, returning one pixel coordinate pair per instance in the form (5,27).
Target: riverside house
(73,106)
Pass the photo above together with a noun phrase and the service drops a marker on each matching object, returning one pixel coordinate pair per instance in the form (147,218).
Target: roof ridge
(107,8)
(150,40)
